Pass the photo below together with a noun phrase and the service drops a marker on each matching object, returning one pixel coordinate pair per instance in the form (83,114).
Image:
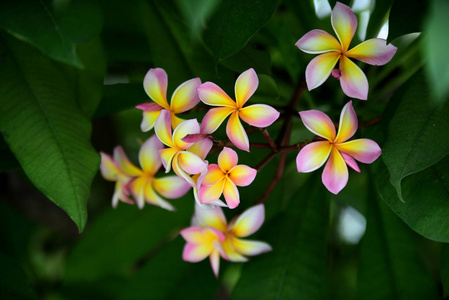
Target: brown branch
(269,139)
(275,180)
(266,160)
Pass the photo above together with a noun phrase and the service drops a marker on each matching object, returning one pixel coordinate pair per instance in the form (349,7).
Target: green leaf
(390,266)
(417,133)
(426,195)
(378,17)
(120,96)
(44,128)
(121,236)
(234,23)
(54,33)
(196,13)
(157,279)
(14,283)
(435,50)
(297,266)
(402,11)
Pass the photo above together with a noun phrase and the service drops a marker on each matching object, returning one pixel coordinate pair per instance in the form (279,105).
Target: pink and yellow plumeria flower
(230,246)
(185,158)
(335,147)
(224,179)
(142,183)
(352,79)
(258,115)
(111,171)
(184,98)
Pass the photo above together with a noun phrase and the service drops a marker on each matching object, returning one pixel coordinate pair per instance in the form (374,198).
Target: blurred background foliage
(71,73)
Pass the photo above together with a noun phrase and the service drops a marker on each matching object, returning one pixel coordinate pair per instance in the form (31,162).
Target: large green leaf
(157,279)
(120,96)
(234,23)
(390,266)
(14,283)
(297,266)
(445,269)
(426,195)
(378,17)
(435,49)
(54,32)
(417,133)
(121,236)
(401,14)
(44,128)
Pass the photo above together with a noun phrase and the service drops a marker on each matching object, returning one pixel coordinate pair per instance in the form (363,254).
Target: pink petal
(350,162)
(180,172)
(249,221)
(344,23)
(250,248)
(193,234)
(108,167)
(153,198)
(167,157)
(353,81)
(213,217)
(335,174)
(195,137)
(319,69)
(236,133)
(155,85)
(185,97)
(374,52)
(149,157)
(227,159)
(162,128)
(363,150)
(214,117)
(191,163)
(201,148)
(313,156)
(318,123)
(318,41)
(185,128)
(231,194)
(149,107)
(214,174)
(242,175)
(120,194)
(259,115)
(208,194)
(171,187)
(348,123)
(196,252)
(124,163)
(212,94)
(245,86)
(215,262)
(149,119)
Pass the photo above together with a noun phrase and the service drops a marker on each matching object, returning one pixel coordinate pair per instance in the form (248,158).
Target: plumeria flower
(352,79)
(142,183)
(224,179)
(258,115)
(231,246)
(185,158)
(183,99)
(335,147)
(111,171)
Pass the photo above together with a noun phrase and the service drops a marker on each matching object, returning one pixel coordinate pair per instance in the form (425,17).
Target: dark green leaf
(445,269)
(378,17)
(54,33)
(435,50)
(121,236)
(121,96)
(45,129)
(390,266)
(249,57)
(14,283)
(234,23)
(158,280)
(7,158)
(401,14)
(196,13)
(297,266)
(426,195)
(417,133)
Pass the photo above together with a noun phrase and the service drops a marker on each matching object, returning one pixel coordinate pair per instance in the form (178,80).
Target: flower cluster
(184,145)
